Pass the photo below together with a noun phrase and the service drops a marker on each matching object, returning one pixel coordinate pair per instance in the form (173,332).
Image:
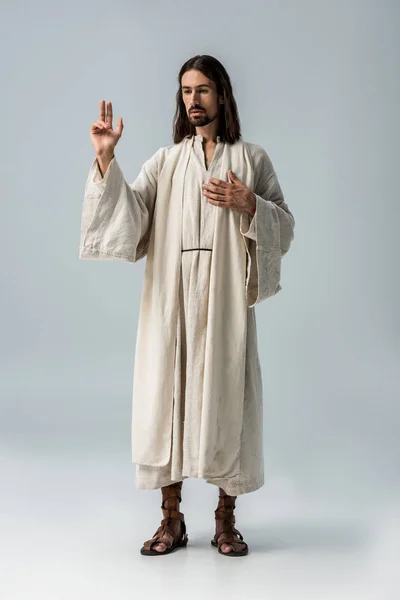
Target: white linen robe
(244,471)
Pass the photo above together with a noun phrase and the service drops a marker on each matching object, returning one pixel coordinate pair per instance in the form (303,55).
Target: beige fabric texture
(209,421)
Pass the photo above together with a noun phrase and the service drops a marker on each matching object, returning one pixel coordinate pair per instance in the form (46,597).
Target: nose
(194,98)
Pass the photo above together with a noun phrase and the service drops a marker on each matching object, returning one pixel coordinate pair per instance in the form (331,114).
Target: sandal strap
(222,515)
(172,514)
(172,491)
(227,501)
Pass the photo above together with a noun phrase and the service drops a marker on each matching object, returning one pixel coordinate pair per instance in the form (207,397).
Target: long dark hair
(229,123)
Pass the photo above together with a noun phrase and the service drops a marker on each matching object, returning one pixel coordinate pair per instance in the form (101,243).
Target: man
(209,214)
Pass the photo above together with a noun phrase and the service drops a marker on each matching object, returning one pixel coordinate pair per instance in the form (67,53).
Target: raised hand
(104,138)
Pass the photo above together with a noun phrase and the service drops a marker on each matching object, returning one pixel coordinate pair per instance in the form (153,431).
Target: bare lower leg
(170,504)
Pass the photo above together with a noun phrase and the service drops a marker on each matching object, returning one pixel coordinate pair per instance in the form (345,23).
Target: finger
(233,177)
(95,126)
(109,116)
(214,196)
(219,182)
(102,110)
(217,202)
(119,126)
(214,189)
(99,124)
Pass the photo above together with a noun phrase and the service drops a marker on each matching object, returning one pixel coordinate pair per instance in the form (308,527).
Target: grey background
(317,85)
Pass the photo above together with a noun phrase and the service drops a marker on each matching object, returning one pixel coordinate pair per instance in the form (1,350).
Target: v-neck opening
(199,138)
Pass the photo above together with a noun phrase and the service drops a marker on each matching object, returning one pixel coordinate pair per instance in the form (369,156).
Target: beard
(201,120)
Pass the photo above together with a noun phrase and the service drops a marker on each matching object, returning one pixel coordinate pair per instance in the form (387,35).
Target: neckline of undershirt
(200,138)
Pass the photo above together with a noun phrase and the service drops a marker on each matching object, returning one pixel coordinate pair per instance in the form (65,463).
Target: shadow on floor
(318,534)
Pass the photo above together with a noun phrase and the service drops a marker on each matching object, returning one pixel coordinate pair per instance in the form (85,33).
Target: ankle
(171,504)
(223,494)
(171,496)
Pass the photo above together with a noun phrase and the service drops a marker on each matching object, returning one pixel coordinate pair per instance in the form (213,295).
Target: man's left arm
(268,230)
(255,224)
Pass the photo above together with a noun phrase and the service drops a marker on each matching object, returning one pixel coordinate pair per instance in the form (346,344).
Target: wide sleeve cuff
(248,224)
(96,184)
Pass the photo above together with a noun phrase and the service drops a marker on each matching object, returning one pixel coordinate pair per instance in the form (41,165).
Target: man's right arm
(116,215)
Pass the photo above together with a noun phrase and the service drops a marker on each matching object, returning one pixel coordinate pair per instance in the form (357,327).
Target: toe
(159,547)
(226,548)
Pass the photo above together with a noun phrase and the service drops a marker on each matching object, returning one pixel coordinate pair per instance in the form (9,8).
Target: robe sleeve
(268,234)
(117,216)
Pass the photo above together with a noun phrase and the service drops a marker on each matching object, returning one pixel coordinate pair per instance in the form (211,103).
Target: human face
(199,92)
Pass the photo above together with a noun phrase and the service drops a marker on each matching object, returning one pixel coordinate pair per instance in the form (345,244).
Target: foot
(172,526)
(225,547)
(224,526)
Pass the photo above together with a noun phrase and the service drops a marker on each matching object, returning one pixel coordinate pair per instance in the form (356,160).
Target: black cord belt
(191,249)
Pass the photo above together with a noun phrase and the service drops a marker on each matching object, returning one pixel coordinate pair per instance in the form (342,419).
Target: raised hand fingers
(102,110)
(109,116)
(119,127)
(103,117)
(100,124)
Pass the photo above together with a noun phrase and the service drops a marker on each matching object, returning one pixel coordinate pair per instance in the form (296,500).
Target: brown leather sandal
(164,533)
(229,534)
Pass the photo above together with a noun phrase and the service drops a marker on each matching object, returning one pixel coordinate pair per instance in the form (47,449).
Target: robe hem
(232,489)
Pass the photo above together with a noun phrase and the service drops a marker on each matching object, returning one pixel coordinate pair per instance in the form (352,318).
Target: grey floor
(71,528)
